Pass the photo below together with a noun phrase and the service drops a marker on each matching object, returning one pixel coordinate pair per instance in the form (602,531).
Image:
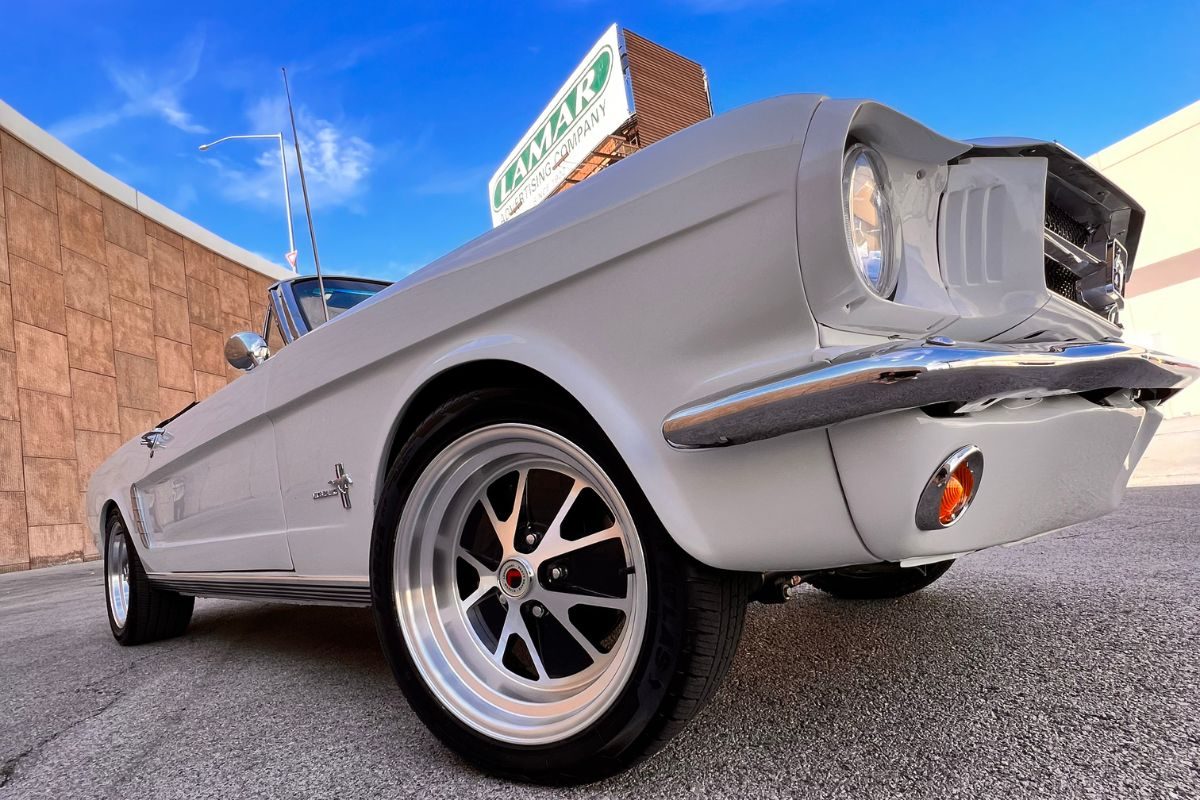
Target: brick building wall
(670,92)
(109,322)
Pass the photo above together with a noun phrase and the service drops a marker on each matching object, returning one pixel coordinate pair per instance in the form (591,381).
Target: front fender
(769,505)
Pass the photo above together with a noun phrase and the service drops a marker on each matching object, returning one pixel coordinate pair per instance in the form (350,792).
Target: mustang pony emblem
(341,486)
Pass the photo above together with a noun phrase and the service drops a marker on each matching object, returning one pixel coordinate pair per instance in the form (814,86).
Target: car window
(340,294)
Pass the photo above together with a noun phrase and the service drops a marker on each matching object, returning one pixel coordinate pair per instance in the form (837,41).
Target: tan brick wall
(109,322)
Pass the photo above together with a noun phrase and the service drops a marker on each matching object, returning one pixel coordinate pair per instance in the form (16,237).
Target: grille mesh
(1061,280)
(1060,222)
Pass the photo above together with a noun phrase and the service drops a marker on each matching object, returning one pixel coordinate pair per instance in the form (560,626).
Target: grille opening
(1064,225)
(1061,280)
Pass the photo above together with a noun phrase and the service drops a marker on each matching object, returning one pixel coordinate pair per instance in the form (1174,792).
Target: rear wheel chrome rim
(117,578)
(520,584)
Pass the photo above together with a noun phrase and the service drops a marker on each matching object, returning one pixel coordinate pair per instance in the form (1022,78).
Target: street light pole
(287,194)
(287,198)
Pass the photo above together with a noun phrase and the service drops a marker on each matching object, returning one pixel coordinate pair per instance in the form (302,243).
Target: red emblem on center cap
(513,578)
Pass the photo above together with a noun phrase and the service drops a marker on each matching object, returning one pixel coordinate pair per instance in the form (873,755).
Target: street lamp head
(287,197)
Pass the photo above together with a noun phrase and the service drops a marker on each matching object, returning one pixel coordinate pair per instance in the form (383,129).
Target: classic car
(808,341)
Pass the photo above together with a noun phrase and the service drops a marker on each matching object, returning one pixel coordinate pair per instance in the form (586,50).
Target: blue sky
(406,110)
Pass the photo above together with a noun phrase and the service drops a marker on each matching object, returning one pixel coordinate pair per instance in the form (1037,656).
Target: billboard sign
(591,105)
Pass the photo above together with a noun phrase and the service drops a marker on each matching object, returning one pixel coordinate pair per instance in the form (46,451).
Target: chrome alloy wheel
(116,577)
(520,584)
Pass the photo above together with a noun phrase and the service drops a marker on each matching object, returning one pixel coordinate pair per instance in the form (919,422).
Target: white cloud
(337,163)
(153,92)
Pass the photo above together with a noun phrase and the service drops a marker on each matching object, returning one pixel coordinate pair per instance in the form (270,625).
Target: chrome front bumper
(914,374)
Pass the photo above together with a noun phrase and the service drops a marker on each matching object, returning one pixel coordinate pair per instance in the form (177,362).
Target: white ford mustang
(809,340)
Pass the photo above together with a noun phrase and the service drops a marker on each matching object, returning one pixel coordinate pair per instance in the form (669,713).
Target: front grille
(1061,280)
(1079,277)
(1060,222)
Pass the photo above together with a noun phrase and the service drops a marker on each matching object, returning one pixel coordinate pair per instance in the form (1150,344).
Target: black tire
(691,634)
(877,581)
(153,614)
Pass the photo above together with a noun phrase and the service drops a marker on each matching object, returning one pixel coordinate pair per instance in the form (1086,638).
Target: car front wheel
(138,612)
(534,611)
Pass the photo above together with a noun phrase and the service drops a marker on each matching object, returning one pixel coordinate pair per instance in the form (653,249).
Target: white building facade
(1160,167)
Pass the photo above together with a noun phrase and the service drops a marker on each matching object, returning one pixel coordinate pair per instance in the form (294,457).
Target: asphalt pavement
(1067,667)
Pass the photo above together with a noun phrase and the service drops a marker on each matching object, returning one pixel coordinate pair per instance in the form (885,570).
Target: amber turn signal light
(950,489)
(959,486)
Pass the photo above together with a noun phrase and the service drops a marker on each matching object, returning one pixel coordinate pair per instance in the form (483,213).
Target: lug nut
(538,611)
(558,573)
(531,538)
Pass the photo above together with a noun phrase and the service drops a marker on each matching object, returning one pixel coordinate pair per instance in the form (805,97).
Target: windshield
(341,294)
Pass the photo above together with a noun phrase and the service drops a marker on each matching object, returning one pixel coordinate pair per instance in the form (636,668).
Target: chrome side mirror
(246,350)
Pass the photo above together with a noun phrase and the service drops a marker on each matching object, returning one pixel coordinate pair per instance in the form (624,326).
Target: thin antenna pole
(304,188)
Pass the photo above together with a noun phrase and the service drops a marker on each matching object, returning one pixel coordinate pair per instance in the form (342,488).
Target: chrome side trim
(285,588)
(138,514)
(917,373)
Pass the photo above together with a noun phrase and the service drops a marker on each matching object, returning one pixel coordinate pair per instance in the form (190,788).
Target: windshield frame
(288,311)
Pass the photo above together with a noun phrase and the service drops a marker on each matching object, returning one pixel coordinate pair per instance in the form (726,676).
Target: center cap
(515,577)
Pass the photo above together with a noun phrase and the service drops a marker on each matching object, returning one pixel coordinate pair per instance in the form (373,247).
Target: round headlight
(870,233)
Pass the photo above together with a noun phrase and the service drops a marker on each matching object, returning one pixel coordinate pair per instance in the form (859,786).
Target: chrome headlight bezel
(856,157)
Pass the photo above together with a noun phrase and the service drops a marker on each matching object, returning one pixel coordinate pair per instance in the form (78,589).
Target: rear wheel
(878,581)
(535,613)
(138,612)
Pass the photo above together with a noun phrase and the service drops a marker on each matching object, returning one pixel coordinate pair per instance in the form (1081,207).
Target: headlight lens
(870,233)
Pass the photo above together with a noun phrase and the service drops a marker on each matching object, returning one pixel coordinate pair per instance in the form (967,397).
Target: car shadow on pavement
(812,638)
(866,694)
(809,668)
(294,633)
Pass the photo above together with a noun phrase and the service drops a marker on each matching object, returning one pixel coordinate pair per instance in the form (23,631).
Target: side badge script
(340,486)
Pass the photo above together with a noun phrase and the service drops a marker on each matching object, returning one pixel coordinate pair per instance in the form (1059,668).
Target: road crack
(9,768)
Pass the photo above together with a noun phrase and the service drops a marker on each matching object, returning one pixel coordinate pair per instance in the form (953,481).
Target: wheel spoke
(552,540)
(518,497)
(568,502)
(562,601)
(617,603)
(506,529)
(559,605)
(487,583)
(483,569)
(556,546)
(514,623)
(502,530)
